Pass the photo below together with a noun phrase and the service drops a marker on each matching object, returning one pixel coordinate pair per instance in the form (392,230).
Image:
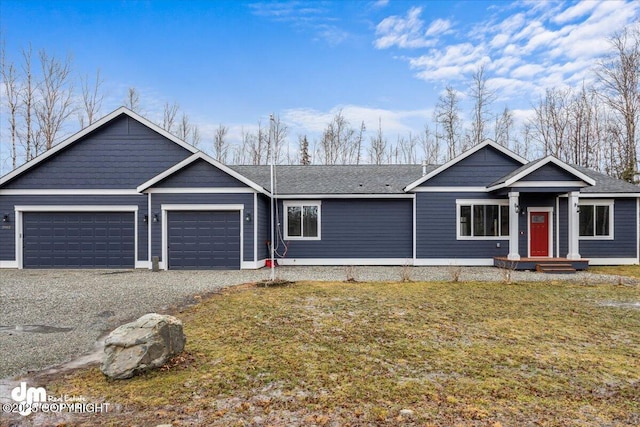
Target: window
(480,220)
(596,220)
(302,220)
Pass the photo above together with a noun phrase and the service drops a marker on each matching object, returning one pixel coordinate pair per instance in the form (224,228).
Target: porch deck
(531,263)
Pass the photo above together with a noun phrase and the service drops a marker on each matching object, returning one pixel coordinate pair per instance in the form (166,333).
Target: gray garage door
(78,240)
(204,240)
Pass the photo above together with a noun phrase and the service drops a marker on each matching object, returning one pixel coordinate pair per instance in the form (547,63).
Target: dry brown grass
(478,354)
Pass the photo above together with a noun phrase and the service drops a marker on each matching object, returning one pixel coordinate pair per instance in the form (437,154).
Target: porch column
(514,215)
(573,225)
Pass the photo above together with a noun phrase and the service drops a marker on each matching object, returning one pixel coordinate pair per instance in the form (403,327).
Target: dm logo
(26,397)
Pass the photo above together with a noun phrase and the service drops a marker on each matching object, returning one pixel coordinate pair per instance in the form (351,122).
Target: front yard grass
(485,354)
(618,270)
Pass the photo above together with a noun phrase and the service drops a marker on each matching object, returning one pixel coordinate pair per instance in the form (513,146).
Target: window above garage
(302,220)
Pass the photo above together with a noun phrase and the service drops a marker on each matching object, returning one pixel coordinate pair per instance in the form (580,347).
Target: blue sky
(235,62)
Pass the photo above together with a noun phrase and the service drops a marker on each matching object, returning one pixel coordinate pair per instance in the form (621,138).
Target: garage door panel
(204,239)
(78,239)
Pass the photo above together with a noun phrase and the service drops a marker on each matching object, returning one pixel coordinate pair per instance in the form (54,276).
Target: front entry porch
(556,265)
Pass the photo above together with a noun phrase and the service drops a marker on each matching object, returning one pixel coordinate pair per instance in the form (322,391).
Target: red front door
(539,229)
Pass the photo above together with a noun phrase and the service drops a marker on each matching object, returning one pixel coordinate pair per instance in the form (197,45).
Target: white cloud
(528,46)
(527,71)
(438,27)
(379,4)
(504,64)
(307,16)
(577,11)
(404,32)
(451,63)
(313,121)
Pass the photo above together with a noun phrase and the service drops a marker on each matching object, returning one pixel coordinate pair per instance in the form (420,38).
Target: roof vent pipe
(424,167)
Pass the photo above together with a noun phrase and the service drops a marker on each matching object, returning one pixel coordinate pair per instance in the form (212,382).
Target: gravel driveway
(51,316)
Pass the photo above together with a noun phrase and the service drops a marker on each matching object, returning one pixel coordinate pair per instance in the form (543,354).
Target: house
(124,191)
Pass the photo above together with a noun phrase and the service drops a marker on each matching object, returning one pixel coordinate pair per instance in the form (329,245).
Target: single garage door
(78,239)
(204,240)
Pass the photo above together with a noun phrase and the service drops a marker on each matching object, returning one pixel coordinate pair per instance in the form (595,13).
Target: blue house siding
(624,233)
(359,228)
(436,229)
(549,172)
(8,203)
(158,199)
(120,154)
(264,226)
(481,168)
(199,174)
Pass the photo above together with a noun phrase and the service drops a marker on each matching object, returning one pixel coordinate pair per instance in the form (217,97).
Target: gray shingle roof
(338,179)
(606,184)
(382,179)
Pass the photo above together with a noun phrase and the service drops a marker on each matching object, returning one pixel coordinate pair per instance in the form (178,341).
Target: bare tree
(523,147)
(358,143)
(92,99)
(56,97)
(619,76)
(184,127)
(583,130)
(195,136)
(407,147)
(378,148)
(447,115)
(169,113)
(551,121)
(12,103)
(279,132)
(28,134)
(482,97)
(220,144)
(254,146)
(430,146)
(338,141)
(503,128)
(132,101)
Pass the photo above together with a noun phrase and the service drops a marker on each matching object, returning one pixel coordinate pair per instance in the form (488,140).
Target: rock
(406,412)
(144,344)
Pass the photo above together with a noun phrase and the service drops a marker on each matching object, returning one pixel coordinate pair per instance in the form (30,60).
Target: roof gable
(199,170)
(120,150)
(488,159)
(546,169)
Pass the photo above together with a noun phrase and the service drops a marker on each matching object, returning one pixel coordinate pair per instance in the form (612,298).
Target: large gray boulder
(144,344)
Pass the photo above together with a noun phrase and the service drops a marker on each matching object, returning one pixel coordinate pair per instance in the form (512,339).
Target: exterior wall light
(156,218)
(5,217)
(248,217)
(146,218)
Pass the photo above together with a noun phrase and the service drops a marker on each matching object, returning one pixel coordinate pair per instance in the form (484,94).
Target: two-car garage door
(195,239)
(78,239)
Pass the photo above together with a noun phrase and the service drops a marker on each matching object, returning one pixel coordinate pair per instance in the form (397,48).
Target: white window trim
(286,204)
(466,202)
(601,202)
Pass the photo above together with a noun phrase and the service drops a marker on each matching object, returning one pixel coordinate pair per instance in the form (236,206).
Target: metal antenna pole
(273,264)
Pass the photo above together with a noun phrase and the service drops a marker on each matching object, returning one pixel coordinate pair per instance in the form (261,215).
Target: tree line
(593,125)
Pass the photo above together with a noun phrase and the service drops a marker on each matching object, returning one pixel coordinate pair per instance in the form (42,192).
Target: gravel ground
(86,304)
